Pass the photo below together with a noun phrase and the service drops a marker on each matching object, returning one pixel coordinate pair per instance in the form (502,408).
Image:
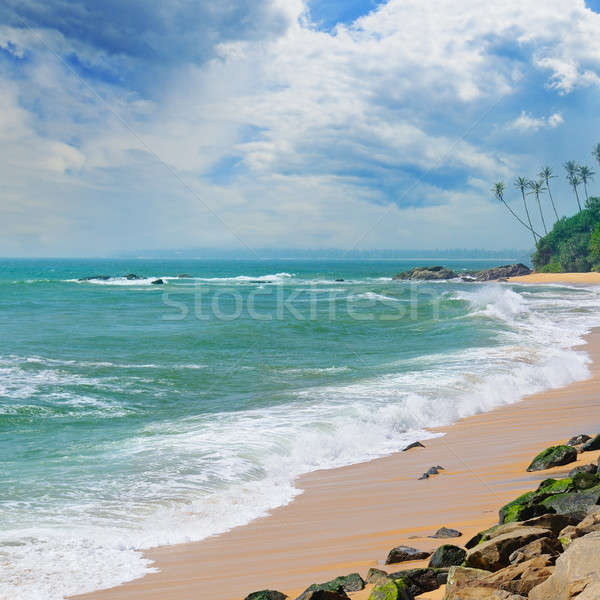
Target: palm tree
(537,187)
(546,174)
(573,178)
(498,190)
(521,183)
(586,174)
(596,152)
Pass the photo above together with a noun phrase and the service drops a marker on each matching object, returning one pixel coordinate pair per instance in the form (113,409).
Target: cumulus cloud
(291,132)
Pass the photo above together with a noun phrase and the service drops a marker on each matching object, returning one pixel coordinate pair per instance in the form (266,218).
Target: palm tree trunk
(528,217)
(516,216)
(551,199)
(586,192)
(537,197)
(577,196)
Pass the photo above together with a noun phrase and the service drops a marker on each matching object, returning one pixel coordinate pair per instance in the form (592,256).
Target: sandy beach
(347,519)
(543,278)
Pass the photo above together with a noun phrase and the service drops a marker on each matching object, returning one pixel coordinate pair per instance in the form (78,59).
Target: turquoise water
(134,414)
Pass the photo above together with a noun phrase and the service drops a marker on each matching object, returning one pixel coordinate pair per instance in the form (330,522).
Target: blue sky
(286,123)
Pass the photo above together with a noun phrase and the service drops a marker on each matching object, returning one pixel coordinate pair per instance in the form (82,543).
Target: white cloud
(525,122)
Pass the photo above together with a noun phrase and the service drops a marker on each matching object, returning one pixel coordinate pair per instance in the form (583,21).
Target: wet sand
(581,278)
(347,519)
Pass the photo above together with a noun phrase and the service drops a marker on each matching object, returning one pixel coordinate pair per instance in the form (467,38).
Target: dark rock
(339,280)
(348,583)
(440,468)
(157,282)
(447,556)
(405,553)
(413,445)
(324,595)
(424,476)
(132,277)
(585,480)
(432,471)
(582,438)
(266,595)
(419,581)
(493,555)
(549,546)
(555,456)
(593,444)
(556,523)
(503,272)
(445,532)
(427,274)
(583,469)
(184,276)
(576,504)
(377,577)
(394,590)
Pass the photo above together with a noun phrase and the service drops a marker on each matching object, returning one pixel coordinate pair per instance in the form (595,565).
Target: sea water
(135,414)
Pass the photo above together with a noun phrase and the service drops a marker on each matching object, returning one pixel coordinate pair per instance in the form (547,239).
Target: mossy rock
(593,444)
(395,590)
(266,595)
(555,456)
(517,510)
(447,556)
(349,583)
(573,503)
(585,481)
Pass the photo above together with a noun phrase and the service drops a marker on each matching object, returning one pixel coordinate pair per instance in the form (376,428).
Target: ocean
(135,414)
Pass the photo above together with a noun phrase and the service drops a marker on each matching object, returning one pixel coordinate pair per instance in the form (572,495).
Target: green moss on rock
(394,590)
(554,456)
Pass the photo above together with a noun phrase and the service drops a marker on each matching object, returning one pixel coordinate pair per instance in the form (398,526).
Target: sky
(129,124)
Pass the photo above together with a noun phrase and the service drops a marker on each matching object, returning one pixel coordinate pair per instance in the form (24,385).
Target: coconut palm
(572,170)
(537,187)
(546,174)
(498,191)
(586,174)
(596,152)
(522,183)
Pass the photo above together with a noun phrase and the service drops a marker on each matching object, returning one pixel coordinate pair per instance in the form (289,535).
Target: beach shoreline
(347,519)
(557,278)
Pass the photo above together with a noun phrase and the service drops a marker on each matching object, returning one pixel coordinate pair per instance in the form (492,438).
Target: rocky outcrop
(447,556)
(577,573)
(266,595)
(404,554)
(503,272)
(576,504)
(494,554)
(465,584)
(427,274)
(555,456)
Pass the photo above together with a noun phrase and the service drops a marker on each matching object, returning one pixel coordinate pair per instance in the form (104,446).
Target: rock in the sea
(184,276)
(493,555)
(555,456)
(446,532)
(592,444)
(447,556)
(577,573)
(413,445)
(394,590)
(132,277)
(582,438)
(427,274)
(348,583)
(591,468)
(405,553)
(266,595)
(157,282)
(339,280)
(502,272)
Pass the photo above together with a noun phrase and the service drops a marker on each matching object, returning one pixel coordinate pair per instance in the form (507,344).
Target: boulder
(420,581)
(556,523)
(324,595)
(394,590)
(463,584)
(447,556)
(576,440)
(266,595)
(405,553)
(592,444)
(413,445)
(555,456)
(424,476)
(348,583)
(591,468)
(446,532)
(377,577)
(521,578)
(576,504)
(132,277)
(157,282)
(549,546)
(584,480)
(427,274)
(588,525)
(576,574)
(433,471)
(493,555)
(502,272)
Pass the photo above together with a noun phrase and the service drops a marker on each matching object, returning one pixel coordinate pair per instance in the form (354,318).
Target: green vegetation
(573,244)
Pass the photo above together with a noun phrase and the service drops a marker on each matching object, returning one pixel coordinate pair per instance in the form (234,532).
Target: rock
(447,556)
(445,532)
(427,273)
(420,581)
(582,438)
(577,573)
(588,525)
(348,583)
(324,595)
(424,476)
(592,444)
(584,480)
(394,590)
(266,595)
(556,523)
(432,471)
(493,555)
(157,282)
(440,468)
(502,272)
(413,445)
(555,456)
(576,504)
(184,276)
(583,469)
(377,577)
(521,578)
(549,546)
(405,553)
(132,277)
(339,280)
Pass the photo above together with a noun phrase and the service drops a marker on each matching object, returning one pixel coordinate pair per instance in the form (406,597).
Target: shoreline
(568,278)
(347,519)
